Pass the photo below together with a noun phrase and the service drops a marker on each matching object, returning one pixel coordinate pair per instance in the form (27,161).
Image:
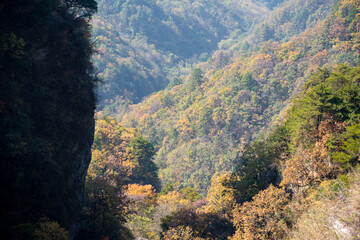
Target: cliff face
(47,107)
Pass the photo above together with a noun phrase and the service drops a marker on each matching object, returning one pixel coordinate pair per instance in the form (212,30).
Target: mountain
(199,127)
(255,136)
(286,184)
(143,44)
(295,108)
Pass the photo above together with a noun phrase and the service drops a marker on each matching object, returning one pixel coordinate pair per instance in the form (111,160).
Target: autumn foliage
(263,217)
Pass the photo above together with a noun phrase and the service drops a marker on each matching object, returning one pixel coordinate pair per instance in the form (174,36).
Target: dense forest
(221,107)
(191,119)
(223,132)
(142,44)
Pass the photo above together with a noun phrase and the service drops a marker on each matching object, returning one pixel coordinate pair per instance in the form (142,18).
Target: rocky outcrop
(47,107)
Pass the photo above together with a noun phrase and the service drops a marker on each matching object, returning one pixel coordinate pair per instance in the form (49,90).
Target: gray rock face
(76,181)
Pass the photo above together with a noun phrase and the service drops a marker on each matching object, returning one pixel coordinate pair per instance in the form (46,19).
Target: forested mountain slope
(141,44)
(200,126)
(300,182)
(258,141)
(121,168)
(289,20)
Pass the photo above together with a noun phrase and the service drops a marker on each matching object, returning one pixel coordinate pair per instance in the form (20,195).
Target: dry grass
(334,215)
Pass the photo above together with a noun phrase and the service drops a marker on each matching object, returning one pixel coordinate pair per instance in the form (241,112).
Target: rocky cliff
(47,107)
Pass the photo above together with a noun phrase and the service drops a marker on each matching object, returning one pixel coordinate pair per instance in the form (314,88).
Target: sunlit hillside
(180,120)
